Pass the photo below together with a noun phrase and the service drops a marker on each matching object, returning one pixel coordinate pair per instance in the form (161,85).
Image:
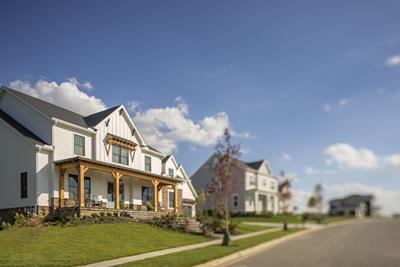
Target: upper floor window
(252,180)
(171,172)
(79,145)
(272,185)
(24,185)
(120,155)
(264,182)
(147,163)
(235,201)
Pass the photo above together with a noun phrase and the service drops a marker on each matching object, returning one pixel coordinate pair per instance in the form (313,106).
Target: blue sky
(288,77)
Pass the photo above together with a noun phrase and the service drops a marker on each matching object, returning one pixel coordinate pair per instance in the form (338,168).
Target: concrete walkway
(174,250)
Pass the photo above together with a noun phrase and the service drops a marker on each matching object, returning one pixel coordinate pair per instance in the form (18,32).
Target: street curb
(267,245)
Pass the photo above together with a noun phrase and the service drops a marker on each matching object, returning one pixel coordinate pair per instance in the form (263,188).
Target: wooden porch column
(117,176)
(155,194)
(82,170)
(61,189)
(175,186)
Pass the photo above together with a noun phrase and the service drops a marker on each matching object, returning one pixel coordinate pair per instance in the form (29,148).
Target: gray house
(256,189)
(354,205)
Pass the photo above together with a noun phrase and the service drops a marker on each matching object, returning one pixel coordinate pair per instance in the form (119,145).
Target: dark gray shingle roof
(96,118)
(21,129)
(54,111)
(50,110)
(255,164)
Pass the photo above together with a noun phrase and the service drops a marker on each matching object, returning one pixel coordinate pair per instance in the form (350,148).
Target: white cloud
(311,170)
(134,106)
(66,94)
(348,157)
(286,156)
(393,60)
(343,102)
(392,160)
(165,127)
(388,200)
(292,176)
(327,108)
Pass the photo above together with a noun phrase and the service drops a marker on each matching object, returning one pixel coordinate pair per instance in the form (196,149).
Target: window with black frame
(120,155)
(171,199)
(147,195)
(79,145)
(73,187)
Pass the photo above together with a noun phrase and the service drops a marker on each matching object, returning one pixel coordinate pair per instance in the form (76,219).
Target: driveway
(370,243)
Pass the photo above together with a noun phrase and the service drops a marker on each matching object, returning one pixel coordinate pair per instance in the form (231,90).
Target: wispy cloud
(393,60)
(311,170)
(327,108)
(286,156)
(343,102)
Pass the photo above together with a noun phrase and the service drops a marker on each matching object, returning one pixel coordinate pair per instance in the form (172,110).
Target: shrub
(5,226)
(95,215)
(170,221)
(102,214)
(116,214)
(109,214)
(149,206)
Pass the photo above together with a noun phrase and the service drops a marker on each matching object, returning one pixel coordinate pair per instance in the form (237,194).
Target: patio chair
(96,201)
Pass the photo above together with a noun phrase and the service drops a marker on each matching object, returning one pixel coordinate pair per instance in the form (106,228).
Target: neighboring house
(52,158)
(355,205)
(256,189)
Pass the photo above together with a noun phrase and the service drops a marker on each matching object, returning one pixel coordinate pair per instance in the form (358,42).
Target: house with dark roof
(355,205)
(54,159)
(256,188)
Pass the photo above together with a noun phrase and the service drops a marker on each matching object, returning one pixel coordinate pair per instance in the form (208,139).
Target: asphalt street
(370,243)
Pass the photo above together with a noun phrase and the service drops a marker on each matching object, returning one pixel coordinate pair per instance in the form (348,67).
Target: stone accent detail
(164,195)
(8,215)
(180,206)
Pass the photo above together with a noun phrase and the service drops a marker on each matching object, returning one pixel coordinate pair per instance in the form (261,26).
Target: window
(147,195)
(79,145)
(272,185)
(264,182)
(171,199)
(235,201)
(252,180)
(73,187)
(147,163)
(24,185)
(171,172)
(120,155)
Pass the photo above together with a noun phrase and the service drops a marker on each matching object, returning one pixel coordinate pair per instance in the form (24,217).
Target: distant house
(354,205)
(256,188)
(54,159)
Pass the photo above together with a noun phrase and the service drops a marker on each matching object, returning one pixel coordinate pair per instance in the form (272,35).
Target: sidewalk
(153,254)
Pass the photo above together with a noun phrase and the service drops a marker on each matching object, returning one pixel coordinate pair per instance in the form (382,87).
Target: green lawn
(202,255)
(245,228)
(69,246)
(272,219)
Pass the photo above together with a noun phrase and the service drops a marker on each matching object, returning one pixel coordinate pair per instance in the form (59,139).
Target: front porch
(92,187)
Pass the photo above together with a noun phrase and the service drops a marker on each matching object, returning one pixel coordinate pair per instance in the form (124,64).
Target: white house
(256,189)
(52,158)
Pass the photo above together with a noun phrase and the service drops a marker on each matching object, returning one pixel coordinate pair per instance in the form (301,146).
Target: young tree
(226,175)
(316,200)
(285,195)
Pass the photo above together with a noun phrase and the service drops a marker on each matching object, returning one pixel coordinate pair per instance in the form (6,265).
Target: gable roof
(52,111)
(21,129)
(95,118)
(255,164)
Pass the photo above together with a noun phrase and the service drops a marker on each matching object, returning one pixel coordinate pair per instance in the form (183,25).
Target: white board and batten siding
(120,126)
(18,155)
(31,118)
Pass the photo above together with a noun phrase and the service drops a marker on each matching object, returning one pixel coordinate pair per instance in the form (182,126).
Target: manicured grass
(272,219)
(70,246)
(245,228)
(202,255)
